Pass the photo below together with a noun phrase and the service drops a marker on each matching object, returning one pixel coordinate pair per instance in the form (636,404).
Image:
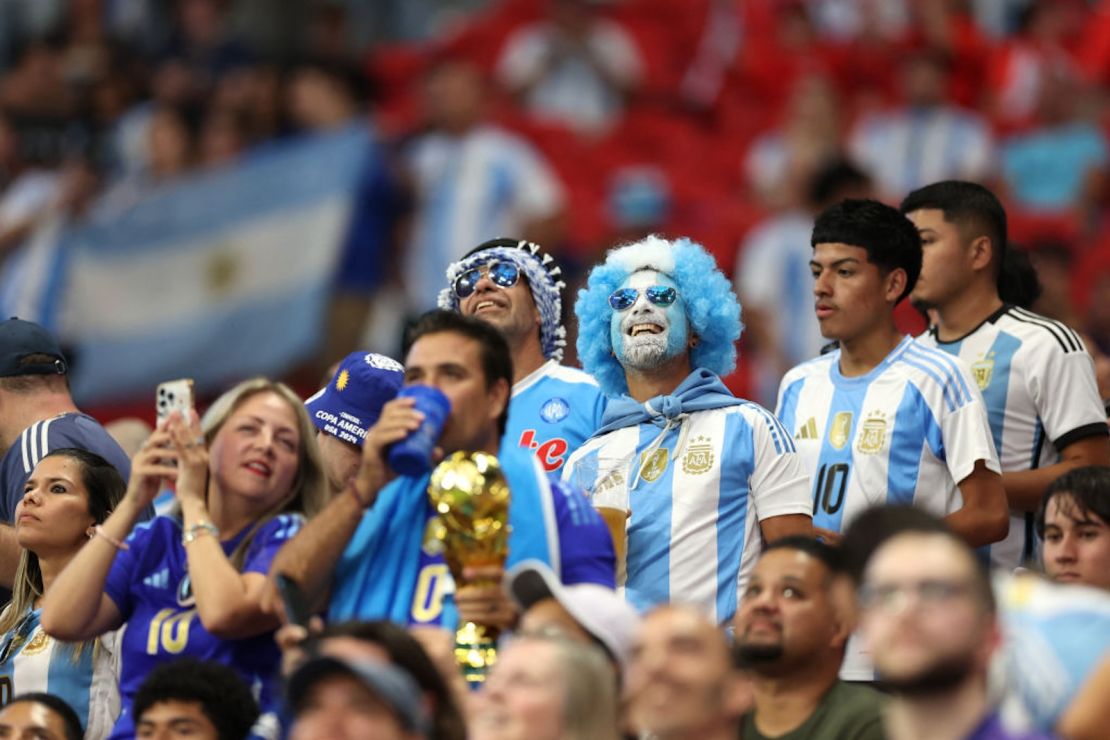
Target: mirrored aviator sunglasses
(660,295)
(502,274)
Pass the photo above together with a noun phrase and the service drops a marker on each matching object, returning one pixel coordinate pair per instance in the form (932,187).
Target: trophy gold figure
(471,497)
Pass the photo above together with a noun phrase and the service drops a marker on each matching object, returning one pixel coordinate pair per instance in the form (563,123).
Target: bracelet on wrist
(98,531)
(197,530)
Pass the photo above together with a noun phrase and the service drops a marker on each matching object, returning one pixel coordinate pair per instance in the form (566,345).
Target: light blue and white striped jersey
(703,487)
(905,433)
(553,411)
(85,676)
(1039,385)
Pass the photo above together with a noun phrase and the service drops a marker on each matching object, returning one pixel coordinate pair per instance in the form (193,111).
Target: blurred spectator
(681,682)
(1022,68)
(780,162)
(195,699)
(334,698)
(36,405)
(1054,263)
(772,62)
(322,97)
(1059,166)
(928,615)
(69,494)
(585,612)
(471,182)
(1017,281)
(546,687)
(925,139)
(775,284)
(169,153)
(1074,522)
(386,642)
(39,716)
(574,67)
(223,137)
(35,87)
(194,585)
(792,630)
(204,43)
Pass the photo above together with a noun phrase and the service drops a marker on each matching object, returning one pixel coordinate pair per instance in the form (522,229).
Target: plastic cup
(605,481)
(413,455)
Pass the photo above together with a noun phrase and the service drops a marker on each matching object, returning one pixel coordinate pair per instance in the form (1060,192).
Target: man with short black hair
(37,415)
(1036,376)
(374,545)
(791,633)
(194,698)
(24,717)
(517,288)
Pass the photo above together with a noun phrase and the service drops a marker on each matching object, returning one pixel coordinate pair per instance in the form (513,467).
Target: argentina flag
(217,277)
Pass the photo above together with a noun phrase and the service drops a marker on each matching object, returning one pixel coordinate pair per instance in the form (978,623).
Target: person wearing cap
(346,699)
(586,612)
(517,288)
(38,415)
(707,477)
(372,553)
(347,407)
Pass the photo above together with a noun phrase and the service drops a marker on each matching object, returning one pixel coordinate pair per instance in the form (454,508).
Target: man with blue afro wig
(691,479)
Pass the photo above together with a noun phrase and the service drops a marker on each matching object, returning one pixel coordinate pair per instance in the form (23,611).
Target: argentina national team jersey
(1039,385)
(553,411)
(696,504)
(905,433)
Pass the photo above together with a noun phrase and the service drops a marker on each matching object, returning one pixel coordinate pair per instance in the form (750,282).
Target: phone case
(174,395)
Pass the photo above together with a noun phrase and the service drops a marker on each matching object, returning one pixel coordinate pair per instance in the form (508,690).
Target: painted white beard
(644,352)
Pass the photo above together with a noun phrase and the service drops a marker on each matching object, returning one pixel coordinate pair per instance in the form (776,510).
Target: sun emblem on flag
(873,435)
(342,381)
(699,456)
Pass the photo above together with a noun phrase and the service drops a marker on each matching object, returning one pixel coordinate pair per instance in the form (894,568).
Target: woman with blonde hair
(68,493)
(194,584)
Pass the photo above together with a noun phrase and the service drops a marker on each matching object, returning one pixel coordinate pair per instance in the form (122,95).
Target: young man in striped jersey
(706,477)
(37,415)
(1046,416)
(882,419)
(516,288)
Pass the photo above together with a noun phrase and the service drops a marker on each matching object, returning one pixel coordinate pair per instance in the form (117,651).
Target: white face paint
(646,335)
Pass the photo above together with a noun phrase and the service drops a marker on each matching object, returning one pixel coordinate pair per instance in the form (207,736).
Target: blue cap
(352,402)
(20,339)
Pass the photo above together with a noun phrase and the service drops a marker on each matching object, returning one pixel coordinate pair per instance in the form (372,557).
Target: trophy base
(475,652)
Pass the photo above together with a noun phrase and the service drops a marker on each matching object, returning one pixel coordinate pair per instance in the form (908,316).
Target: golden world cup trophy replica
(471,499)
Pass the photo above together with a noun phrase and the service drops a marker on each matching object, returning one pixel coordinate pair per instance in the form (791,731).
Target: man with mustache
(699,478)
(791,633)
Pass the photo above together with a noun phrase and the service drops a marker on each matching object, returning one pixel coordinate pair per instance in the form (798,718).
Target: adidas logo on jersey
(159,579)
(808,430)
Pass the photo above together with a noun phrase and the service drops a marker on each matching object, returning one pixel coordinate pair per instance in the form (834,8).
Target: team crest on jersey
(37,644)
(653,467)
(434,534)
(185,597)
(873,435)
(840,428)
(983,371)
(554,410)
(699,456)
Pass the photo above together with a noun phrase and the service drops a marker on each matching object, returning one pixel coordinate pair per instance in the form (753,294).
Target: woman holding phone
(66,496)
(194,583)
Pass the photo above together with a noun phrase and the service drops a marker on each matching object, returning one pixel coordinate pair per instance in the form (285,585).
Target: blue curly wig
(711,307)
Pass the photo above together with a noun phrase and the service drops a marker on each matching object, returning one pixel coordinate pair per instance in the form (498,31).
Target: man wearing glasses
(699,478)
(928,615)
(517,289)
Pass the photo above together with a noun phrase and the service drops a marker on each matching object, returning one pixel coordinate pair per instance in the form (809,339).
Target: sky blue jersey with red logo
(553,411)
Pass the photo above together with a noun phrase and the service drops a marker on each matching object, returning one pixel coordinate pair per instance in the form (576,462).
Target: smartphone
(297,610)
(174,395)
